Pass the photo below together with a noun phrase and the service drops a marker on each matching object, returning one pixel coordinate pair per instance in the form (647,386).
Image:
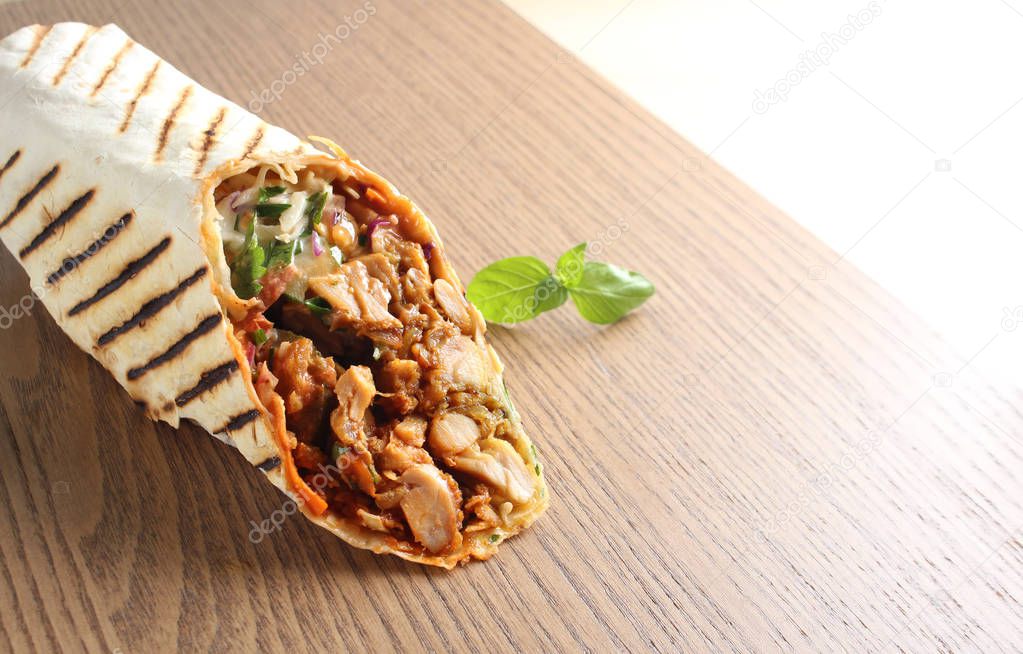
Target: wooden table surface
(771,455)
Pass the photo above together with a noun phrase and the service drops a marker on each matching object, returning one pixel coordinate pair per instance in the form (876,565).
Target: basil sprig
(520,288)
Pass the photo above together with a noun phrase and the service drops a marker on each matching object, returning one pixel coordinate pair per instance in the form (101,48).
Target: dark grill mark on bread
(168,123)
(205,326)
(208,380)
(152,307)
(110,69)
(269,464)
(240,420)
(254,141)
(57,223)
(41,32)
(142,90)
(10,162)
(209,138)
(132,269)
(74,54)
(34,191)
(71,263)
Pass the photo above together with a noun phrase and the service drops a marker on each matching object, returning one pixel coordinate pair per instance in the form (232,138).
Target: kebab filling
(389,406)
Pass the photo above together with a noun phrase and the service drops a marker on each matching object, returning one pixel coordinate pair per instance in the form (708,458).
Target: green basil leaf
(271,209)
(259,337)
(506,290)
(607,292)
(570,266)
(249,266)
(549,294)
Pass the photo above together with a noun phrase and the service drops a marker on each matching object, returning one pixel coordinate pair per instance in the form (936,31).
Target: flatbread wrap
(281,296)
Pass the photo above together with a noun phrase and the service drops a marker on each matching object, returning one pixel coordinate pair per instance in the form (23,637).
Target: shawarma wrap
(289,301)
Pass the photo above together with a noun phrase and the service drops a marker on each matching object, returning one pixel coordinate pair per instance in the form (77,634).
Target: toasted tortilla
(108,161)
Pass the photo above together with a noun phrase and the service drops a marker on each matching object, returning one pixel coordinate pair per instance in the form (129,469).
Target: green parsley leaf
(280,253)
(259,337)
(494,538)
(268,192)
(570,266)
(314,211)
(249,266)
(606,292)
(515,289)
(271,209)
(317,305)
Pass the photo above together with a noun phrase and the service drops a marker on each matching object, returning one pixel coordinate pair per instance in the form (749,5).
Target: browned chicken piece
(305,380)
(355,393)
(380,266)
(359,295)
(496,462)
(399,379)
(462,363)
(411,430)
(308,457)
(415,286)
(451,433)
(376,522)
(430,505)
(411,257)
(457,363)
(479,504)
(453,304)
(397,456)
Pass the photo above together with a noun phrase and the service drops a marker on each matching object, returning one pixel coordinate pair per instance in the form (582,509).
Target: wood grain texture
(771,455)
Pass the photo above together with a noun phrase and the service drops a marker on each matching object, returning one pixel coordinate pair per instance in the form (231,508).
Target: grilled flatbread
(285,298)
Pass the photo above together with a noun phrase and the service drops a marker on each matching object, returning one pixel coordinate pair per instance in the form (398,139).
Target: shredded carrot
(316,504)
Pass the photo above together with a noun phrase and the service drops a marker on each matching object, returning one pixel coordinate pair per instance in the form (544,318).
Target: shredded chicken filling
(395,413)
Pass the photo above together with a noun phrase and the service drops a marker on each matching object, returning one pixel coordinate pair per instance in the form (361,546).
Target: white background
(854,150)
